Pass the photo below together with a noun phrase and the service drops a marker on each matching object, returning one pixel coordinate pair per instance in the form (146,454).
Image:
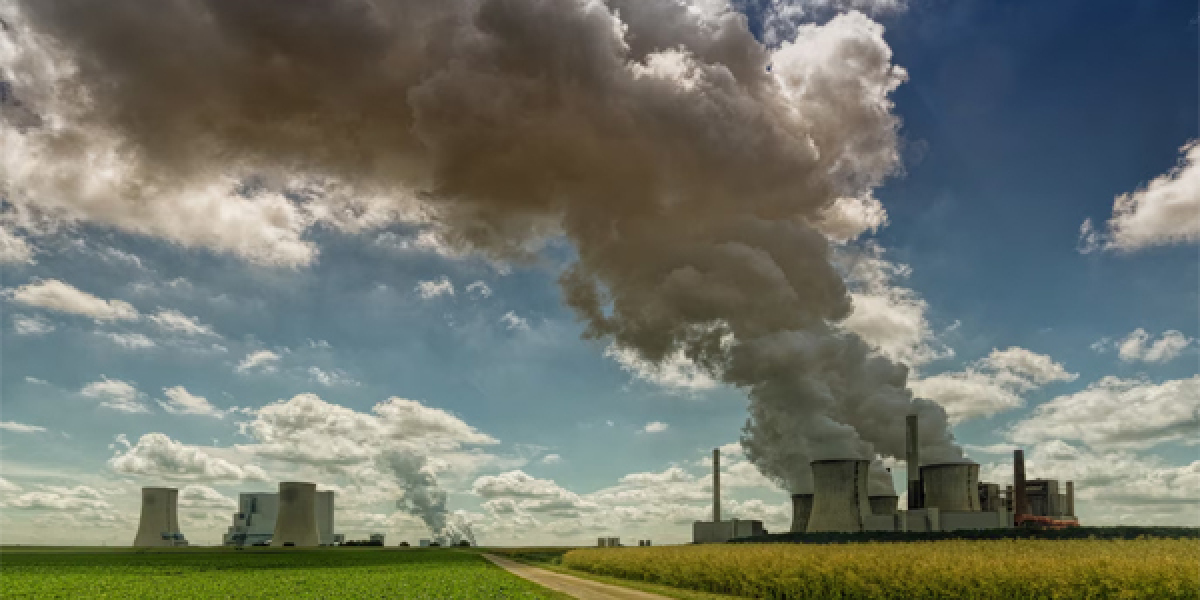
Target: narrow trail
(579,588)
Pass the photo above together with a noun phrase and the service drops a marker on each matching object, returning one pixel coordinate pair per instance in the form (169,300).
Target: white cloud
(132,341)
(1141,346)
(195,496)
(35,325)
(519,490)
(479,288)
(181,402)
(50,497)
(552,459)
(115,394)
(331,378)
(173,320)
(20,427)
(992,384)
(35,381)
(655,427)
(52,294)
(850,218)
(888,316)
(1117,413)
(14,250)
(158,456)
(782,18)
(676,372)
(264,361)
(437,287)
(514,323)
(1165,211)
(8,487)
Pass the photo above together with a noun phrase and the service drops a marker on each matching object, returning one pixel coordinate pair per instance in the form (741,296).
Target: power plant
(159,522)
(254,523)
(941,497)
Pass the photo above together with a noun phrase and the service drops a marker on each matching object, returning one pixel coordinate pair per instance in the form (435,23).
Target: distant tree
(464,543)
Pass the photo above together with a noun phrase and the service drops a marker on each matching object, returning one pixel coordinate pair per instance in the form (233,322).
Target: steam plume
(689,165)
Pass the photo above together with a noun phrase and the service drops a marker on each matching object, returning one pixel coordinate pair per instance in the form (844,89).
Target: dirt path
(579,588)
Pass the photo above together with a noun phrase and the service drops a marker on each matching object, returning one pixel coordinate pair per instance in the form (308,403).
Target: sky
(1013,205)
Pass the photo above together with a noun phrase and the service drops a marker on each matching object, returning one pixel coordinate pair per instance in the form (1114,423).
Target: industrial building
(158,525)
(258,512)
(941,497)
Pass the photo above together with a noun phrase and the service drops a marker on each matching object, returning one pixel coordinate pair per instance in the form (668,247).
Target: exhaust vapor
(694,169)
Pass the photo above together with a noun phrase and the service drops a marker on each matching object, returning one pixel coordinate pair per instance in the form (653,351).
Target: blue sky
(1018,123)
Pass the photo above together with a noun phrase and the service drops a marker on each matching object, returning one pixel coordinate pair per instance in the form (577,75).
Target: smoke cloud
(690,165)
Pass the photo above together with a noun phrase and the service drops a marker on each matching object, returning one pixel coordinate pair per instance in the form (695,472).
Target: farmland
(257,573)
(1143,568)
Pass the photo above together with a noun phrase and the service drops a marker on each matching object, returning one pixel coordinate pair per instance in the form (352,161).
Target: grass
(1146,568)
(258,573)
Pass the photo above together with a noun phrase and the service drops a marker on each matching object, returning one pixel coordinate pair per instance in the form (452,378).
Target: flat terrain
(583,589)
(1143,568)
(258,573)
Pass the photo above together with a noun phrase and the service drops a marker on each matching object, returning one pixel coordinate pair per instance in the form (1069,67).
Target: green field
(257,573)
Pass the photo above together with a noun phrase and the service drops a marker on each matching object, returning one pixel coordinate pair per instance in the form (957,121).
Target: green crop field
(1144,568)
(257,573)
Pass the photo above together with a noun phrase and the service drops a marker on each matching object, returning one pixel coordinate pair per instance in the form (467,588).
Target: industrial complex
(941,497)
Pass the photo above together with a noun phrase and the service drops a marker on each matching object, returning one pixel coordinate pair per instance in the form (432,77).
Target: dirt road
(584,589)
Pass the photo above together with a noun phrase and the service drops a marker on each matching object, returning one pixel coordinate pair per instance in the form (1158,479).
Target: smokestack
(1070,499)
(159,523)
(912,456)
(840,495)
(1020,505)
(716,485)
(296,523)
(952,486)
(801,509)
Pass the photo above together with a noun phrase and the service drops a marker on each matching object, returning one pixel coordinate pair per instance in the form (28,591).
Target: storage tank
(883,504)
(159,523)
(801,509)
(839,495)
(951,486)
(296,524)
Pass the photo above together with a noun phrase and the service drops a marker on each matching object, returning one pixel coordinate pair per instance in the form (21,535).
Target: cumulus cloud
(330,378)
(14,249)
(530,494)
(436,287)
(177,322)
(132,341)
(264,361)
(1117,413)
(116,394)
(8,487)
(194,496)
(552,459)
(512,322)
(479,288)
(1165,211)
(158,456)
(15,427)
(50,497)
(1141,346)
(674,373)
(992,384)
(35,325)
(52,294)
(182,402)
(849,218)
(655,427)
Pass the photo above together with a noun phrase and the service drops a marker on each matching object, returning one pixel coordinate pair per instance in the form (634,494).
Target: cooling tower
(801,509)
(296,523)
(883,505)
(951,486)
(840,495)
(159,524)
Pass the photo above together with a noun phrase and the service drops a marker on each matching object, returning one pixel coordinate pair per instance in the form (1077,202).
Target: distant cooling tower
(840,495)
(951,486)
(159,524)
(801,509)
(883,505)
(296,524)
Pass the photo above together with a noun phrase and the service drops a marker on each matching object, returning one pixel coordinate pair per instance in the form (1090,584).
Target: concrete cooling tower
(159,524)
(951,486)
(840,495)
(296,523)
(801,509)
(883,504)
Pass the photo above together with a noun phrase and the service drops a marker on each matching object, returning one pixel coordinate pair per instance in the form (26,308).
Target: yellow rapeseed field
(1142,568)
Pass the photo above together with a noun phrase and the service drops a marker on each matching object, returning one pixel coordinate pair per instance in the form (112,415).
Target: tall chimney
(912,456)
(1070,498)
(1020,505)
(716,485)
